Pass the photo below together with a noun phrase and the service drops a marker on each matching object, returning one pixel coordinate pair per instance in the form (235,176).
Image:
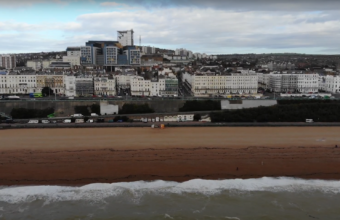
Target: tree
(47,91)
(197,117)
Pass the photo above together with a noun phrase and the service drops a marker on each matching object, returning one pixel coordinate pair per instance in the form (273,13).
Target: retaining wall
(66,107)
(243,103)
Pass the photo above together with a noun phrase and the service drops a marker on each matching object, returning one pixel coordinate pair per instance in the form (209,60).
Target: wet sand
(89,155)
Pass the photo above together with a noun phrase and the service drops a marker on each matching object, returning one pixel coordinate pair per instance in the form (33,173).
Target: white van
(67,121)
(309,120)
(79,121)
(94,114)
(90,121)
(77,115)
(33,122)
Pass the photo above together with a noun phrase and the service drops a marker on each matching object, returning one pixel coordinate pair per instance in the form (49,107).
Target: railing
(3,115)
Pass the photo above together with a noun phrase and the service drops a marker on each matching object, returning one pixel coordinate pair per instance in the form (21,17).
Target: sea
(233,199)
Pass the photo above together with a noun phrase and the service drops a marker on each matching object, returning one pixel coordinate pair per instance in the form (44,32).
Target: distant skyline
(212,27)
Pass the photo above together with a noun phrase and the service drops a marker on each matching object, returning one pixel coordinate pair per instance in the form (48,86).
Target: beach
(80,156)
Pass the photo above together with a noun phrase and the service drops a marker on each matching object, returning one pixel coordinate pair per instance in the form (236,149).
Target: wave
(99,191)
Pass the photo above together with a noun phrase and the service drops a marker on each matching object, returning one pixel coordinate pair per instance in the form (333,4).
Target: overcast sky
(205,26)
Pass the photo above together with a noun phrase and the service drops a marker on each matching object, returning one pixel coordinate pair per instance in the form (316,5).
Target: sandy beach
(89,155)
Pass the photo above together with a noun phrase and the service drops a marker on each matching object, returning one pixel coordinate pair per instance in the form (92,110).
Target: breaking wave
(100,191)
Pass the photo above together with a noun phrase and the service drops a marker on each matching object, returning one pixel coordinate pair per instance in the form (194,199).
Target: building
(125,38)
(163,85)
(18,84)
(84,86)
(302,83)
(39,64)
(60,65)
(214,84)
(8,61)
(105,86)
(70,86)
(329,84)
(55,82)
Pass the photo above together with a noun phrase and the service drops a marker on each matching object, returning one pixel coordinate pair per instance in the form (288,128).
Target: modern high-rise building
(125,38)
(8,61)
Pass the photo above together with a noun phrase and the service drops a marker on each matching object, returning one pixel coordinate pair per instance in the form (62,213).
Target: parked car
(94,114)
(77,115)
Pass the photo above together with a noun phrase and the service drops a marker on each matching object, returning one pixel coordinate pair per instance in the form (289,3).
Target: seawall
(66,107)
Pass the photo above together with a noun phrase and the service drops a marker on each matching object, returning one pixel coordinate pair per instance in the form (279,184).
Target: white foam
(100,191)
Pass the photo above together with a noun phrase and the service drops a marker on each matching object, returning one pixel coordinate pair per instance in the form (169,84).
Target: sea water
(234,199)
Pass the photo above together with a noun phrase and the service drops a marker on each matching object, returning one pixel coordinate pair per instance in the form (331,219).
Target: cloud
(29,3)
(112,4)
(200,29)
(241,5)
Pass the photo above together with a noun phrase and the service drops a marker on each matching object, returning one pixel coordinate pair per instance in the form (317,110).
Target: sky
(204,26)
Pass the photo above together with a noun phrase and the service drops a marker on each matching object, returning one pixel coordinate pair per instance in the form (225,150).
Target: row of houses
(299,82)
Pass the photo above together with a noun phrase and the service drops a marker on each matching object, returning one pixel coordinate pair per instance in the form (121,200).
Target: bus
(36,95)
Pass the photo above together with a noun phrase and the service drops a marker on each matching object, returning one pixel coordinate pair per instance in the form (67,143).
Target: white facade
(70,86)
(105,86)
(123,81)
(125,38)
(39,64)
(303,83)
(73,52)
(210,84)
(329,83)
(73,60)
(18,84)
(140,86)
(165,86)
(34,64)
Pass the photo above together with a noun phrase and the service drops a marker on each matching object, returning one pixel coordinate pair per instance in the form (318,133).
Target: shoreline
(167,124)
(105,155)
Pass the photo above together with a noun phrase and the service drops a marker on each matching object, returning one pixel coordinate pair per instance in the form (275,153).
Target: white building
(123,80)
(163,86)
(105,86)
(73,60)
(39,64)
(211,84)
(73,51)
(70,86)
(329,83)
(18,84)
(303,83)
(125,38)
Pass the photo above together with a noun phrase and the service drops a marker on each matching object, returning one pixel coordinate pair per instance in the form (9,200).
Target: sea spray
(194,199)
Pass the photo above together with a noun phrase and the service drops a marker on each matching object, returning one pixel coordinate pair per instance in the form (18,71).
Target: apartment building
(105,86)
(13,83)
(125,38)
(18,84)
(303,83)
(212,84)
(8,61)
(329,84)
(39,64)
(84,85)
(162,85)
